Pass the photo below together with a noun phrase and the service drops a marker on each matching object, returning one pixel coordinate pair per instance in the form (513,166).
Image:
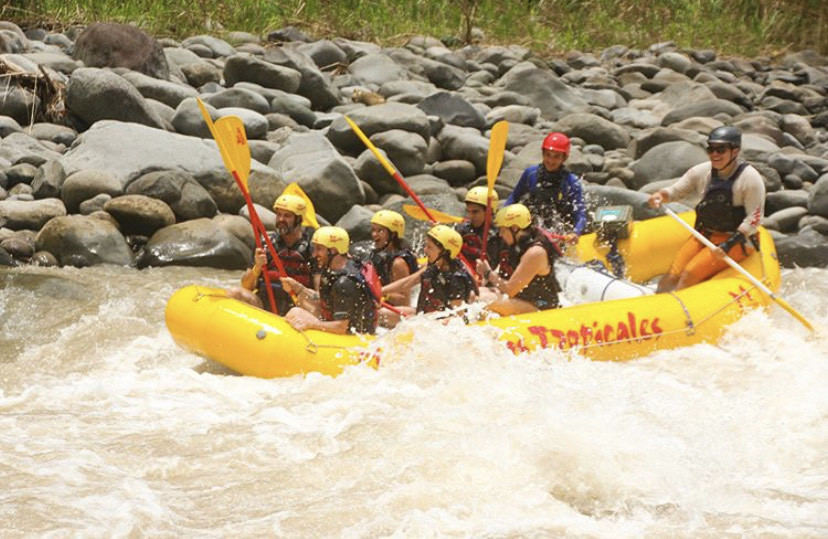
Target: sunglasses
(717,149)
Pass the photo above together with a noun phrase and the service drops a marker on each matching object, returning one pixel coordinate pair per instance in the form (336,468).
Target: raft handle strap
(691,328)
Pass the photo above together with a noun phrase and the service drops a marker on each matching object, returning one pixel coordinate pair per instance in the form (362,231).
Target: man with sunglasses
(732,204)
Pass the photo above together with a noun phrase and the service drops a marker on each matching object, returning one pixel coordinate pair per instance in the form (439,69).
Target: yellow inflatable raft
(257,343)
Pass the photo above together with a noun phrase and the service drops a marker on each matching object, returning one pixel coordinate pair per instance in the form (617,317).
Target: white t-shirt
(748,191)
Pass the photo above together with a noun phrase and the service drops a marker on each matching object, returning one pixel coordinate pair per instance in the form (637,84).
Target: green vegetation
(743,27)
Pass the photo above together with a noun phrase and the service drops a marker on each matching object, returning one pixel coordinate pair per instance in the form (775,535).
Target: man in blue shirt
(552,192)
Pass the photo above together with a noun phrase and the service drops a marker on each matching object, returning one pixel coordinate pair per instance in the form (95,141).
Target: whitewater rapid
(107,428)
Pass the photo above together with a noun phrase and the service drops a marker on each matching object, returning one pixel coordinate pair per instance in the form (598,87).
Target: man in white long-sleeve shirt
(733,203)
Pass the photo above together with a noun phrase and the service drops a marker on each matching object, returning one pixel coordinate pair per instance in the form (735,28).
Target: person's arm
(753,199)
(404,284)
(308,298)
(301,320)
(576,198)
(520,188)
(533,262)
(251,275)
(399,270)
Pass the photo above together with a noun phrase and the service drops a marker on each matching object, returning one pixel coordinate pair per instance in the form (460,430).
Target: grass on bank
(742,27)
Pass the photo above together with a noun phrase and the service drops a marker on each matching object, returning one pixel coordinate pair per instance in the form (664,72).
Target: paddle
(733,264)
(229,133)
(309,218)
(417,213)
(396,175)
(497,145)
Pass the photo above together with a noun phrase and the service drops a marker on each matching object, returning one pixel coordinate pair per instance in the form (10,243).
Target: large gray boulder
(121,45)
(406,150)
(818,197)
(465,143)
(666,161)
(377,69)
(377,119)
(86,184)
(18,103)
(139,214)
(169,93)
(199,243)
(79,240)
(97,94)
(452,109)
(545,90)
(245,67)
(709,108)
(30,215)
(313,84)
(179,189)
(595,130)
(311,160)
(130,150)
(808,249)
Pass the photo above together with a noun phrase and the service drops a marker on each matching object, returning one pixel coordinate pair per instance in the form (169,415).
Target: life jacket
(473,242)
(439,288)
(542,291)
(298,262)
(383,260)
(548,202)
(363,308)
(716,212)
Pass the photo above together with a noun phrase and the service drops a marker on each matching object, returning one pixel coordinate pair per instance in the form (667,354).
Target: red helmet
(557,142)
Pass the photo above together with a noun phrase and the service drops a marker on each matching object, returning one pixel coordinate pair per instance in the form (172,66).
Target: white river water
(108,429)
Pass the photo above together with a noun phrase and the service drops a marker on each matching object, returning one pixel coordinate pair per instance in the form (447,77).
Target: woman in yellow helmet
(292,243)
(344,302)
(532,286)
(444,282)
(391,257)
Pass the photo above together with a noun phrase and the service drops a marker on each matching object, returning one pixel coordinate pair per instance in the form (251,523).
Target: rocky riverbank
(105,158)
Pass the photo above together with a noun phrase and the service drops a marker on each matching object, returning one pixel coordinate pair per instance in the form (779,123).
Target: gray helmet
(726,135)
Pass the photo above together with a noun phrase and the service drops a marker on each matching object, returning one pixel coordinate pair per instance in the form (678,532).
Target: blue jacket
(569,200)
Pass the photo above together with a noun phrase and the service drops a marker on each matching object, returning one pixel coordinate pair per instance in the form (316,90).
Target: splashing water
(108,428)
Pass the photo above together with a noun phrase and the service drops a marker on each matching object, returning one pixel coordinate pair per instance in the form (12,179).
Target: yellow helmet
(332,237)
(449,238)
(291,203)
(391,220)
(513,215)
(480,195)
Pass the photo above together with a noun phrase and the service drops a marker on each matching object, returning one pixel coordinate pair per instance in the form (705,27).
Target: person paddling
(532,285)
(444,282)
(732,205)
(344,302)
(292,243)
(471,230)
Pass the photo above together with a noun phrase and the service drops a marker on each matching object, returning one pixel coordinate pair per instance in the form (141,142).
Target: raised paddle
(497,146)
(230,133)
(417,213)
(396,175)
(735,265)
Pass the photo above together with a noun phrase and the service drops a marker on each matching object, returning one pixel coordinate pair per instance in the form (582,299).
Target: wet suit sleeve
(520,189)
(575,195)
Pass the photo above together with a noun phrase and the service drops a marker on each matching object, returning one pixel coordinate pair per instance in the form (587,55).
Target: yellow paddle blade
(370,146)
(417,213)
(497,145)
(793,312)
(309,219)
(225,157)
(230,131)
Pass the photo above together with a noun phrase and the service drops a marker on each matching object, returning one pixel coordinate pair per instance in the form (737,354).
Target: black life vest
(363,309)
(298,262)
(716,212)
(439,288)
(542,291)
(383,260)
(473,242)
(548,203)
